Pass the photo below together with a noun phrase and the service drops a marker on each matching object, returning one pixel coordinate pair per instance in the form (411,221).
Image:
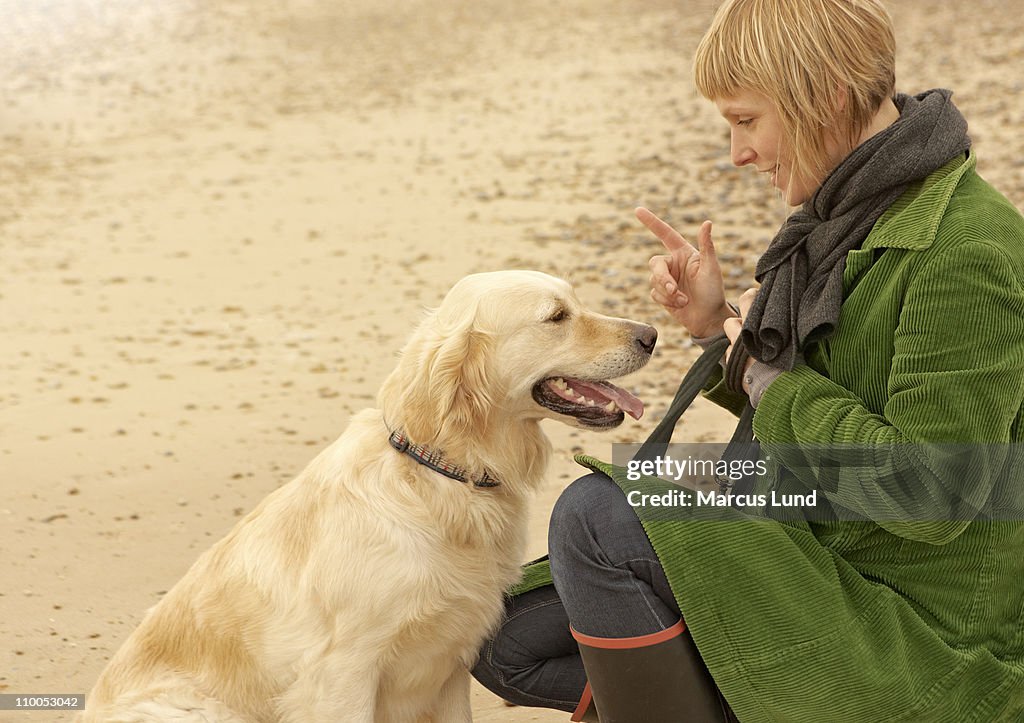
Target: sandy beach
(220,219)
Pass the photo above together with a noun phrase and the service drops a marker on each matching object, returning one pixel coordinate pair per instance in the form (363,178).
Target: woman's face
(756,138)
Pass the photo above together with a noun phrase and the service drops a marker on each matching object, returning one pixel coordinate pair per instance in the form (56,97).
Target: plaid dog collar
(434,460)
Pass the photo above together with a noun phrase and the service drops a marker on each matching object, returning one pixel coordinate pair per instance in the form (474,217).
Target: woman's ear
(842,132)
(842,99)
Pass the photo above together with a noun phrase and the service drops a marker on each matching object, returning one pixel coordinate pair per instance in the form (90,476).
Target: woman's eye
(744,121)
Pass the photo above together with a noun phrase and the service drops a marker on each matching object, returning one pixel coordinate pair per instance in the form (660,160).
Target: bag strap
(739,446)
(690,387)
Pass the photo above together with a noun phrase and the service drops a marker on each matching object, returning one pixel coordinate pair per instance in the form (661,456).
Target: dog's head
(517,344)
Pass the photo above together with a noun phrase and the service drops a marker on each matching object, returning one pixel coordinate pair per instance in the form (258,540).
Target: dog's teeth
(611,407)
(591,403)
(560,383)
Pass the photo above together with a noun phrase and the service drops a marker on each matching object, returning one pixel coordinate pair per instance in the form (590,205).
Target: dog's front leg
(452,704)
(333,690)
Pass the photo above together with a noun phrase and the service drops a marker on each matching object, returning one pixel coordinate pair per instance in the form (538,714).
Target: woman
(889,321)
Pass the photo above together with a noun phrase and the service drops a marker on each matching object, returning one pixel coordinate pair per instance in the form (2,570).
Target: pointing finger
(669,237)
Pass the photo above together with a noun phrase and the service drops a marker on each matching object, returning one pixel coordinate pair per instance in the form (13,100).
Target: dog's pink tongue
(628,403)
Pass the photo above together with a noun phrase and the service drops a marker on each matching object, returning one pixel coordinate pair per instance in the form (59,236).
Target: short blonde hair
(801,53)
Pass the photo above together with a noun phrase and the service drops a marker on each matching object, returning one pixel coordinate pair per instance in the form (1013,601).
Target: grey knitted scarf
(801,272)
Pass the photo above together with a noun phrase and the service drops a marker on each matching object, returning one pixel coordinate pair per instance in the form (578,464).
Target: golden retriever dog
(361,590)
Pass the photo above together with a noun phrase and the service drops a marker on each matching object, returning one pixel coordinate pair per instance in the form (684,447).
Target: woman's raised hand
(687,281)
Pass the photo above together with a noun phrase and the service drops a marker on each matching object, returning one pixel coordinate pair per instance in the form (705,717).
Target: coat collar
(912,221)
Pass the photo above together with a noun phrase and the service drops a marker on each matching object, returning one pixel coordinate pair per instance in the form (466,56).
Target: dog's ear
(442,386)
(459,384)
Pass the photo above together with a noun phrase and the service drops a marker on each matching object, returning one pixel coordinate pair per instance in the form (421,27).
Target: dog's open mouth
(593,403)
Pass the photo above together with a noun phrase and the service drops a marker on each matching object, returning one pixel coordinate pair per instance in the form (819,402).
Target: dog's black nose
(647,337)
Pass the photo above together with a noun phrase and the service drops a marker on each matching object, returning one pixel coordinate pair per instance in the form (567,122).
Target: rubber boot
(657,677)
(586,710)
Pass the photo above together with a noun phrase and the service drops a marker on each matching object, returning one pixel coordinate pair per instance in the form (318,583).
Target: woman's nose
(740,152)
(742,155)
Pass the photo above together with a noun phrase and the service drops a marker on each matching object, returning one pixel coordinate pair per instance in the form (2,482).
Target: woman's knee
(585,508)
(593,533)
(589,496)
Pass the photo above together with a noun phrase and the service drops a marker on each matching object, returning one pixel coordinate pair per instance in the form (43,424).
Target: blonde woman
(889,320)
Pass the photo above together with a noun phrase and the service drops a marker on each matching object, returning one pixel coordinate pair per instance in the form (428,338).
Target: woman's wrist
(713,328)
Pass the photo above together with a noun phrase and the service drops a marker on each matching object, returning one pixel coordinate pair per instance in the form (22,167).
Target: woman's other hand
(687,282)
(734,326)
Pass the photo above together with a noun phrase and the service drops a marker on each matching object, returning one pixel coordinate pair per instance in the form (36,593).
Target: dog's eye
(560,315)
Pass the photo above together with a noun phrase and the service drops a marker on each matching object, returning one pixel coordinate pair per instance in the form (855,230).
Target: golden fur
(362,589)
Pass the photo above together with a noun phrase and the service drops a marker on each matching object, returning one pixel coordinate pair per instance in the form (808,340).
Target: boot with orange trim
(657,677)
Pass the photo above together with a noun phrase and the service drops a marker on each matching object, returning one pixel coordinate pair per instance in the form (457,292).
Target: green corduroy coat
(865,622)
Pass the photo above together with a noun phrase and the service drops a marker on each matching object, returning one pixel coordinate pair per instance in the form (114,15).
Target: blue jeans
(608,583)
